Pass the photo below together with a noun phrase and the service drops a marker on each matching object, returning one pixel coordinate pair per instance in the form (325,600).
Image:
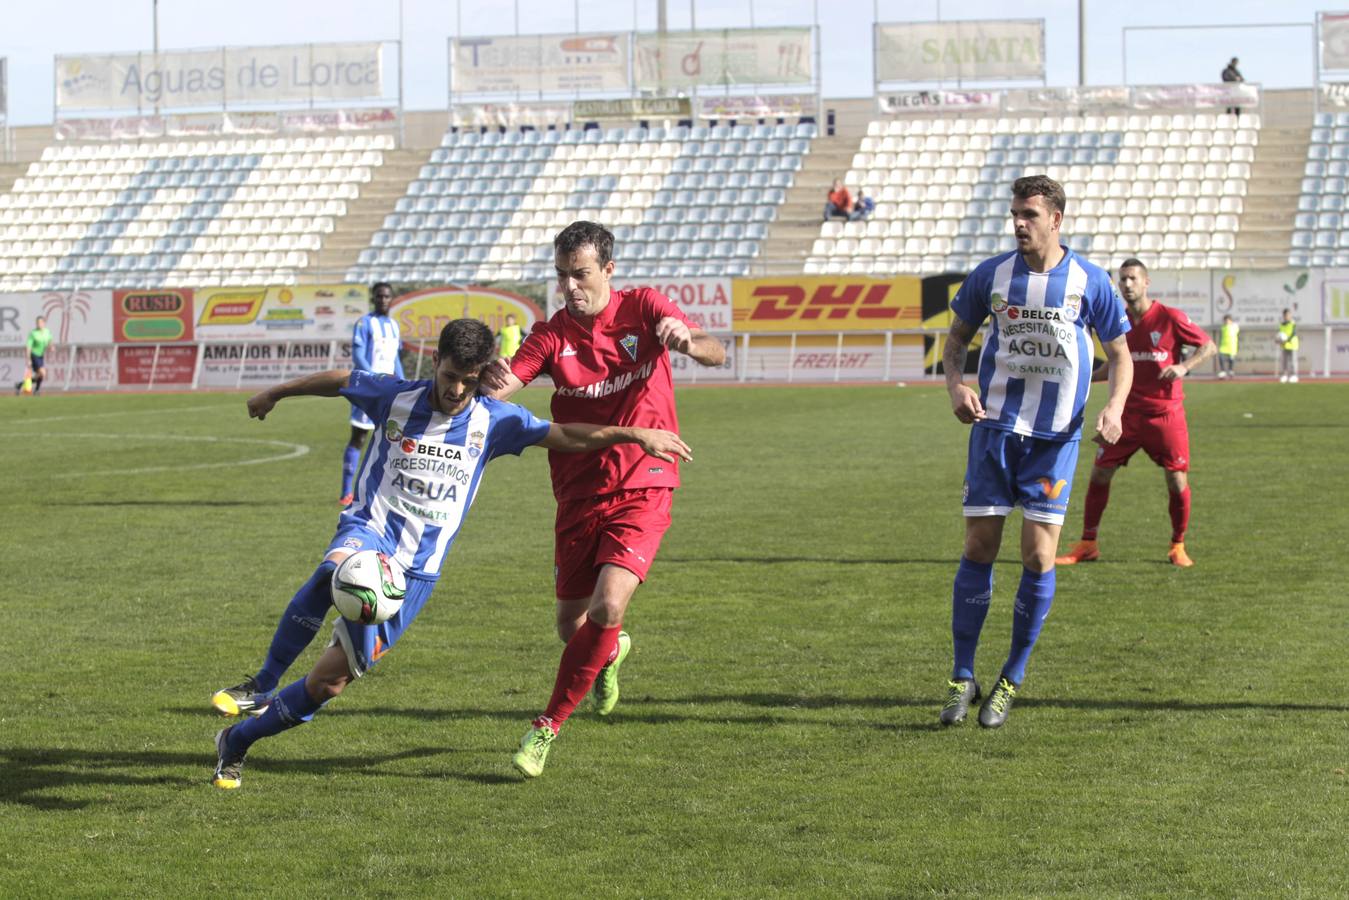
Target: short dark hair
(467,342)
(374,288)
(581,234)
(1132,263)
(1040,186)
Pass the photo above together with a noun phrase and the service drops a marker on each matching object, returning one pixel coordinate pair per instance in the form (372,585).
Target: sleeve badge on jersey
(997,303)
(475,443)
(392,432)
(1072,307)
(629,343)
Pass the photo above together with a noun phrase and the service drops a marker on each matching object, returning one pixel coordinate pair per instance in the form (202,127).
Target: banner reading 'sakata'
(977,49)
(179,79)
(539,63)
(681,59)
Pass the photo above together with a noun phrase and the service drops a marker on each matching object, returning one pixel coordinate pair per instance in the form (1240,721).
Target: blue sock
(969,605)
(351,457)
(299,623)
(292,706)
(1033,599)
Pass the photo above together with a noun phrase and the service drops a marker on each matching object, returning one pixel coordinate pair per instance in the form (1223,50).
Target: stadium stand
(1321,223)
(683,201)
(243,211)
(1169,187)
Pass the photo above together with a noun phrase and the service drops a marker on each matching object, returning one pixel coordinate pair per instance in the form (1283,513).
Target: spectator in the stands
(839,205)
(862,207)
(1230,74)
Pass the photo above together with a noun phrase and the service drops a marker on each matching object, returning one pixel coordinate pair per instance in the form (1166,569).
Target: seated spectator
(862,207)
(839,203)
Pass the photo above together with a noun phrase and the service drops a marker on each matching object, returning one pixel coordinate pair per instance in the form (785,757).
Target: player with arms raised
(415,489)
(606,352)
(1034,374)
(1154,414)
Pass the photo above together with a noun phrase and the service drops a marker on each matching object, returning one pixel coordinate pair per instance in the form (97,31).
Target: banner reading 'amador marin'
(826,303)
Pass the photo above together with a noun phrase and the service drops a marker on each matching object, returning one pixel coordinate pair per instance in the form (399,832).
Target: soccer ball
(368,587)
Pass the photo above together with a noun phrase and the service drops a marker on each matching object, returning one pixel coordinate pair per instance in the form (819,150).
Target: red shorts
(1163,436)
(623,529)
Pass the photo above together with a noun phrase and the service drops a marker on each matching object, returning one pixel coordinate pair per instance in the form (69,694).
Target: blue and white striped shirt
(422,470)
(1036,364)
(375,342)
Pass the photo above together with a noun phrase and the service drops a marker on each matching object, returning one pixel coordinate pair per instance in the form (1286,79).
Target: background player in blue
(1034,373)
(375,343)
(415,488)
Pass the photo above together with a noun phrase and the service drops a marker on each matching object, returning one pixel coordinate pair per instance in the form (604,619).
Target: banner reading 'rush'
(826,303)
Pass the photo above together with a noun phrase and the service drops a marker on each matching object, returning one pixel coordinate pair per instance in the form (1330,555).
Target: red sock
(585,654)
(1098,495)
(1180,515)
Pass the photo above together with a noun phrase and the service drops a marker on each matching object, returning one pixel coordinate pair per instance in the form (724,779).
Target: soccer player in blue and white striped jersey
(413,492)
(375,346)
(1034,373)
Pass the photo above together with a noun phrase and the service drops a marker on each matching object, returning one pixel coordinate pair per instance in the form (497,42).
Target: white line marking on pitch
(120,413)
(295,451)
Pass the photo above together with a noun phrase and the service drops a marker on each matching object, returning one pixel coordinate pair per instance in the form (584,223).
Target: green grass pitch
(1179,733)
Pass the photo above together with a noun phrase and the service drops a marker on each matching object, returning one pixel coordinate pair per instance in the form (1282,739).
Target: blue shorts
(36,362)
(360,420)
(365,644)
(1006,470)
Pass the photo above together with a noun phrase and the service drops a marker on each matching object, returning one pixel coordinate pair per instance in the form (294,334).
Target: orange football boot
(1178,557)
(1083,551)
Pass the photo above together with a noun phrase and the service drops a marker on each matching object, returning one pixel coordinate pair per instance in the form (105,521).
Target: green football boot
(605,689)
(999,703)
(960,694)
(533,752)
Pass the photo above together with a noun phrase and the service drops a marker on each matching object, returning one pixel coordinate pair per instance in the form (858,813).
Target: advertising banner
(126,128)
(1258,297)
(178,79)
(74,317)
(421,314)
(757,106)
(1194,96)
(268,362)
(508,115)
(685,371)
(535,63)
(969,50)
(706,301)
(319,311)
(1060,101)
(896,102)
(826,303)
(684,59)
(152,316)
(631,108)
(156,365)
(1333,33)
(1190,292)
(86,368)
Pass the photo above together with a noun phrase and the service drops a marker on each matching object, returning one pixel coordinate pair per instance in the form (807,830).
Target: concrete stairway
(365,215)
(1265,231)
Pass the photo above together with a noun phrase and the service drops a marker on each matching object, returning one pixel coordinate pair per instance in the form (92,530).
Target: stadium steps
(798,223)
(365,215)
(1265,230)
(9,173)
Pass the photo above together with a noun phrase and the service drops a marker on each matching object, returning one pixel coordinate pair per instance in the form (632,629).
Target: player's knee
(980,549)
(1038,560)
(321,690)
(1102,475)
(567,628)
(607,612)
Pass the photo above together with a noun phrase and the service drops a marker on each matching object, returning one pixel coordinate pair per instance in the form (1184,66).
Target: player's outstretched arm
(700,346)
(964,400)
(1121,368)
(320,384)
(498,381)
(580,437)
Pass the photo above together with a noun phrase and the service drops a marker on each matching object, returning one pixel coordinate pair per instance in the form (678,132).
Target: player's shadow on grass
(44,778)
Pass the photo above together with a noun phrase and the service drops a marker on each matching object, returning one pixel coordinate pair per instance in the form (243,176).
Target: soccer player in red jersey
(607,354)
(1154,414)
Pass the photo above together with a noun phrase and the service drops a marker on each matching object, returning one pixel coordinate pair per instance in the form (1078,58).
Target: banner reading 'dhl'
(826,303)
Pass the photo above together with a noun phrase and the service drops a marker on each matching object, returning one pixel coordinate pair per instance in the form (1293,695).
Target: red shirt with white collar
(1155,342)
(609,371)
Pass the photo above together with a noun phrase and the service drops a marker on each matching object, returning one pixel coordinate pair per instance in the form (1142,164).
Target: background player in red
(1154,414)
(607,354)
